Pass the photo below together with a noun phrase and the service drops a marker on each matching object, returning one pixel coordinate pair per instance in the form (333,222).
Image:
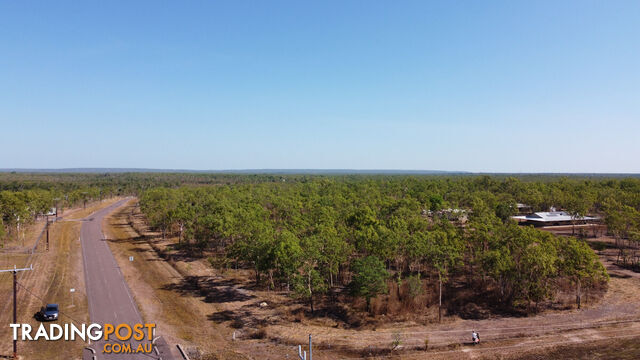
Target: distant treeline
(313,234)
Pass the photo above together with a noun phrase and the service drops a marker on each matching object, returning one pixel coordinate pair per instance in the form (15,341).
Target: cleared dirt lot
(202,308)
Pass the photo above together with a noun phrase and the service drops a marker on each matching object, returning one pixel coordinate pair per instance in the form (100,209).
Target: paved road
(109,297)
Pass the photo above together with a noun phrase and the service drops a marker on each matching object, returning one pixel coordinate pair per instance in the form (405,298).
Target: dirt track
(615,316)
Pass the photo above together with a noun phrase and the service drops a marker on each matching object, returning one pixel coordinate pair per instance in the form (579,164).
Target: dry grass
(618,349)
(180,319)
(24,240)
(181,293)
(55,273)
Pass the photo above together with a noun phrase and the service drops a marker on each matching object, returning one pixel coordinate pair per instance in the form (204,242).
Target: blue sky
(498,86)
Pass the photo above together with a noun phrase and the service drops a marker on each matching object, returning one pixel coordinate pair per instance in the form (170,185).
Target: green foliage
(444,249)
(578,261)
(435,202)
(14,208)
(310,233)
(307,231)
(414,285)
(309,283)
(505,209)
(287,254)
(369,278)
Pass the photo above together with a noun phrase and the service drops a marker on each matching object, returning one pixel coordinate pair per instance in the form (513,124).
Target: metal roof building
(554,218)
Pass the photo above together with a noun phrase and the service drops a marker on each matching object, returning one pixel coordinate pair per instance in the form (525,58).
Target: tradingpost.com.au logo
(112,335)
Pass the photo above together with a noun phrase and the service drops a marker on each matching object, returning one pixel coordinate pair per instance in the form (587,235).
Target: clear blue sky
(499,86)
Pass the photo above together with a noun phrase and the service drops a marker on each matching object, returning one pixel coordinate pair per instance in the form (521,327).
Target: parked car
(49,312)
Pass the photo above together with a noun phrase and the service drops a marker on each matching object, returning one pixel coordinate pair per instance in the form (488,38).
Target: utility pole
(47,233)
(57,200)
(15,302)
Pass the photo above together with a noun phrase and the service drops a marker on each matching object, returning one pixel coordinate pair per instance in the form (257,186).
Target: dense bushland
(364,235)
(314,235)
(21,208)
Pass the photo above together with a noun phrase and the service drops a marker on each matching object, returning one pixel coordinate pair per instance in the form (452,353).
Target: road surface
(110,300)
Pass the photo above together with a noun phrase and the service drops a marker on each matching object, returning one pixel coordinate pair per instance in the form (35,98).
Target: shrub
(397,340)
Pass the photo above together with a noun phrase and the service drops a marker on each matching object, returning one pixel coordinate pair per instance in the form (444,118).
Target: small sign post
(72,291)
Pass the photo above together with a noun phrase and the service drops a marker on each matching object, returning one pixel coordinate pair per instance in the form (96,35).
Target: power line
(33,251)
(76,321)
(15,301)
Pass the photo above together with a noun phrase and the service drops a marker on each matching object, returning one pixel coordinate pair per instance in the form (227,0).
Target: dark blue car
(49,312)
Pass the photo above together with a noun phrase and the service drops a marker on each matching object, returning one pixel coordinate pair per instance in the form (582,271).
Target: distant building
(450,214)
(524,208)
(549,218)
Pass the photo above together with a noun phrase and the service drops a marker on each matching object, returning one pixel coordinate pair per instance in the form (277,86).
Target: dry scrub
(202,307)
(180,319)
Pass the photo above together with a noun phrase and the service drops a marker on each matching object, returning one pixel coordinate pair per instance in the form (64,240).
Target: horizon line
(296,171)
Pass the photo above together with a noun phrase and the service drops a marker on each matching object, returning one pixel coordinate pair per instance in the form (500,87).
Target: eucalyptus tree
(579,263)
(14,209)
(308,231)
(309,281)
(578,206)
(255,239)
(288,256)
(369,278)
(444,251)
(158,205)
(328,234)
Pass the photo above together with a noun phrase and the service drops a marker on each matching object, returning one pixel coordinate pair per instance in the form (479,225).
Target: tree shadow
(477,302)
(213,290)
(133,240)
(222,316)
